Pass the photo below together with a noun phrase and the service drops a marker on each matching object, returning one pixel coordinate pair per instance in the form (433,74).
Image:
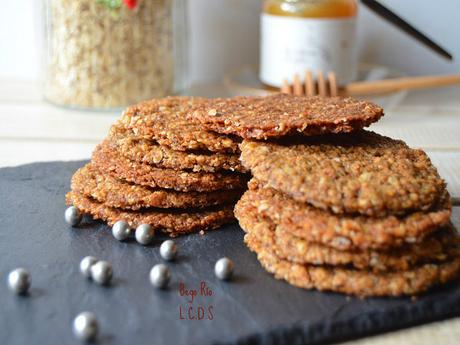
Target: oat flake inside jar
(104,54)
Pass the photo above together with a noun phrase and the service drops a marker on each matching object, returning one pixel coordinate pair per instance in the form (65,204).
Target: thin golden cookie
(172,222)
(164,120)
(115,193)
(443,245)
(354,282)
(108,160)
(344,232)
(142,150)
(280,115)
(361,172)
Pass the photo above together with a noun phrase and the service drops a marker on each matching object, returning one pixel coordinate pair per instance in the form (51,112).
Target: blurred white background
(224,36)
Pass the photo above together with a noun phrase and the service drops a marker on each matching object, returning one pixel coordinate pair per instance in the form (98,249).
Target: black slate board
(252,309)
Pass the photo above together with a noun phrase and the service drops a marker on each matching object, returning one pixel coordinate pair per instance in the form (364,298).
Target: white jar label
(291,46)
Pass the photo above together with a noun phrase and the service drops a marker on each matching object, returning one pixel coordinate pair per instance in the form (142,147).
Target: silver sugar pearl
(72,216)
(144,234)
(102,272)
(85,326)
(224,268)
(168,250)
(120,230)
(160,276)
(85,265)
(19,281)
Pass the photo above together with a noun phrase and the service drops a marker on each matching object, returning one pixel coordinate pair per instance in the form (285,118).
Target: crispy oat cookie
(437,248)
(172,222)
(115,193)
(147,151)
(281,115)
(108,160)
(164,120)
(343,232)
(351,281)
(361,172)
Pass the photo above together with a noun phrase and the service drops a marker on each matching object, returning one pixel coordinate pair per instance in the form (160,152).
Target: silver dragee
(19,281)
(144,234)
(85,265)
(102,272)
(85,326)
(120,230)
(72,216)
(160,276)
(168,250)
(224,268)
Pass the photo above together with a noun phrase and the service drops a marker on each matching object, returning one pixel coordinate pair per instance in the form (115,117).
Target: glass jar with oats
(105,54)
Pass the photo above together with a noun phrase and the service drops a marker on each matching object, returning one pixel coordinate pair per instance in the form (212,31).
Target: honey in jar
(300,35)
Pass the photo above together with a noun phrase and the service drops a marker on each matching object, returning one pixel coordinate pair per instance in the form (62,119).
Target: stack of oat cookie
(332,206)
(158,168)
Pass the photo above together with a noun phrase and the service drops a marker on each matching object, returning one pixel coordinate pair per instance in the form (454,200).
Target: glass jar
(300,35)
(104,54)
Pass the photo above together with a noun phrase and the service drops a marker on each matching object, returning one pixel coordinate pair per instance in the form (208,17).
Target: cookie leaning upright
(282,115)
(158,168)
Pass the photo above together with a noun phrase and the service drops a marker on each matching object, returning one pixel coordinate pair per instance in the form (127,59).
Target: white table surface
(32,130)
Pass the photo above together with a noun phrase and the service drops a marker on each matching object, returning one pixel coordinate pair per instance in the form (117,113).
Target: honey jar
(300,35)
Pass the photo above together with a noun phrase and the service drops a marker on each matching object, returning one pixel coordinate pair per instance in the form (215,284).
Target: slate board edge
(328,332)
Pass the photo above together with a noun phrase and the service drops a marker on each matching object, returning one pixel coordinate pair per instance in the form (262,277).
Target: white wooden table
(32,130)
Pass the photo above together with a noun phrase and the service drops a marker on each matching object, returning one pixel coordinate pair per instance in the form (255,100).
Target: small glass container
(106,54)
(301,35)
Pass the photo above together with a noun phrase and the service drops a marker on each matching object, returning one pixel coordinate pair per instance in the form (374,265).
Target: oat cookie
(108,160)
(343,232)
(281,115)
(361,172)
(351,281)
(164,120)
(115,193)
(147,151)
(437,248)
(172,222)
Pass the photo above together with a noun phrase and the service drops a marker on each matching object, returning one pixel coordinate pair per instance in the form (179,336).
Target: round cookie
(147,151)
(108,160)
(164,120)
(115,193)
(281,115)
(343,232)
(172,222)
(351,281)
(443,245)
(361,172)
(354,282)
